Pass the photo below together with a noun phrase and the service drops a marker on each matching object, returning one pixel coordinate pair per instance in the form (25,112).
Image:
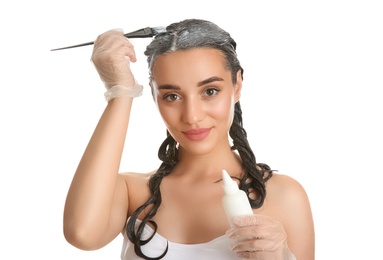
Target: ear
(238,86)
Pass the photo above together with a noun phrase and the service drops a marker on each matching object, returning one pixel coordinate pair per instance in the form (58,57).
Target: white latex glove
(259,237)
(112,54)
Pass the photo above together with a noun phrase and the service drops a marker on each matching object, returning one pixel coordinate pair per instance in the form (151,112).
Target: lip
(197,134)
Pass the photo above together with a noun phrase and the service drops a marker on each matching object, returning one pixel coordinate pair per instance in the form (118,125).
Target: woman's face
(195,96)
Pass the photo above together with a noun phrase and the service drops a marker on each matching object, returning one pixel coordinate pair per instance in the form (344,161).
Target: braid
(185,35)
(253,179)
(168,154)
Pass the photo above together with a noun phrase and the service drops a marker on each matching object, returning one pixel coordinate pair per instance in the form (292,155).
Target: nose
(193,111)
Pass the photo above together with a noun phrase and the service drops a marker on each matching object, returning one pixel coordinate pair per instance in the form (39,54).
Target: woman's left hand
(259,237)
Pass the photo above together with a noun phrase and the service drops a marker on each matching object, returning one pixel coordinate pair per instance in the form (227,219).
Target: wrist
(123,91)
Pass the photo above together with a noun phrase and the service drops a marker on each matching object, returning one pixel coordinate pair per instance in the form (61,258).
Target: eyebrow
(201,83)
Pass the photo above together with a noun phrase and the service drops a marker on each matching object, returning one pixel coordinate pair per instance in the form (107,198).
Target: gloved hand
(259,237)
(112,54)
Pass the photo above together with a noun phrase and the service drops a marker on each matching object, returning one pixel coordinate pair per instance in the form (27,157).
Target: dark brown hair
(188,34)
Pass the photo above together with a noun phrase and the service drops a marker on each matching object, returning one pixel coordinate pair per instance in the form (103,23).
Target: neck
(209,165)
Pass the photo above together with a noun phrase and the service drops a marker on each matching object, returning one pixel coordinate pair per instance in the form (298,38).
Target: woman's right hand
(112,54)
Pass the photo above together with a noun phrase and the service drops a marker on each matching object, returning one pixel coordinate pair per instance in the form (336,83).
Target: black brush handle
(141,33)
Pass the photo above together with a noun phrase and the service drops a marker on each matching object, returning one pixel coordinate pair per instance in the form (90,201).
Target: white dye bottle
(234,201)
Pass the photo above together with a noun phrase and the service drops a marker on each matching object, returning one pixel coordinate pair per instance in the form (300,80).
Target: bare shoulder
(137,187)
(136,181)
(287,201)
(135,177)
(285,190)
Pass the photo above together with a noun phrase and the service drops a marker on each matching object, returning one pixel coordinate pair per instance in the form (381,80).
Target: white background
(312,107)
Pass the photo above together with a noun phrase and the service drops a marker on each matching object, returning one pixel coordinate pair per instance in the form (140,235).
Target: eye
(211,92)
(171,97)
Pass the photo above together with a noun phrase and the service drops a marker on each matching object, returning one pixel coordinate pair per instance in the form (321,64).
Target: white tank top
(215,249)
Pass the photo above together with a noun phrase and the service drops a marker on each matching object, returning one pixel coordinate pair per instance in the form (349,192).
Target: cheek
(168,115)
(163,112)
(224,110)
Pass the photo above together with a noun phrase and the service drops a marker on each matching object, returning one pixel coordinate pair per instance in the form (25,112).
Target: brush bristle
(159,29)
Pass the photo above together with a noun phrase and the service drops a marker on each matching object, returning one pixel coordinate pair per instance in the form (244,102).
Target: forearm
(90,197)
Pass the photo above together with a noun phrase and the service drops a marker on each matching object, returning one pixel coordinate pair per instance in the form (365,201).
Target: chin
(198,148)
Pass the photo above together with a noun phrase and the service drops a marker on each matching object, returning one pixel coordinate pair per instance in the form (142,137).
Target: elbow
(81,239)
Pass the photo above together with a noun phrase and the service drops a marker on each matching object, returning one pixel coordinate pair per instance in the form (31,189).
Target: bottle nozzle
(229,186)
(234,200)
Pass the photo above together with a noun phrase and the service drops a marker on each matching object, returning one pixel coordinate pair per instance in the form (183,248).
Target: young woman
(175,212)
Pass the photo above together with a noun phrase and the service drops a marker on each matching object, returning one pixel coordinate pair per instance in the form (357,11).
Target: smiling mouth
(197,134)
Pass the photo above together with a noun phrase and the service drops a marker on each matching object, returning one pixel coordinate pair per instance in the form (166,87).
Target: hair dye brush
(141,33)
